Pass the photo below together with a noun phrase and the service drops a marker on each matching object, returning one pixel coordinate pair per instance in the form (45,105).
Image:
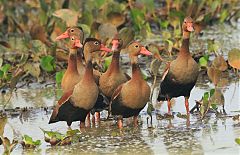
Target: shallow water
(213,135)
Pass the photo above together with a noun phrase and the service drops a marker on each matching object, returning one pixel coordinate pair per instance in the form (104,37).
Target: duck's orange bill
(190,27)
(104,48)
(63,36)
(115,44)
(144,51)
(78,44)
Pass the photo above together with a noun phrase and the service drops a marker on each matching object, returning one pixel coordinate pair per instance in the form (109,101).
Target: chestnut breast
(70,79)
(185,69)
(85,94)
(109,81)
(135,94)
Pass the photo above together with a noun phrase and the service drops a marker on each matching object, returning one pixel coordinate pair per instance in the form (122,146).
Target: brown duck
(76,104)
(131,97)
(114,76)
(182,74)
(75,68)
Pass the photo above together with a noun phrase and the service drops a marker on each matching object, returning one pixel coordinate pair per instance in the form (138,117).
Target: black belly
(170,88)
(69,113)
(118,108)
(101,104)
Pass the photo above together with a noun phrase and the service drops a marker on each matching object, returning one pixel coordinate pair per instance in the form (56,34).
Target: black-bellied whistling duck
(76,104)
(131,97)
(182,74)
(114,76)
(72,75)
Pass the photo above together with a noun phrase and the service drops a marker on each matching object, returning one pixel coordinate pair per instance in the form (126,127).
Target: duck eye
(96,43)
(72,30)
(136,46)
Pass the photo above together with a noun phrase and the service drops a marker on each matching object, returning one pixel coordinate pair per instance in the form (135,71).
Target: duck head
(72,31)
(136,49)
(92,45)
(74,42)
(187,25)
(116,43)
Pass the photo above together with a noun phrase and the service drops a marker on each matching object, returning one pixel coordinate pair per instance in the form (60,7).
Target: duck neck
(185,43)
(79,59)
(136,72)
(89,67)
(72,61)
(88,71)
(114,66)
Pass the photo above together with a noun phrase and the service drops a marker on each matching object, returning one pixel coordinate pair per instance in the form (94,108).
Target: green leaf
(1,74)
(43,5)
(205,97)
(237,140)
(59,76)
(72,132)
(203,62)
(51,134)
(214,106)
(48,63)
(150,109)
(5,68)
(28,140)
(164,24)
(144,76)
(212,91)
(137,18)
(223,15)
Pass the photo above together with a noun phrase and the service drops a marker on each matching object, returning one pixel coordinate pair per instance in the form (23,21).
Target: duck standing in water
(182,74)
(75,68)
(74,105)
(114,76)
(131,97)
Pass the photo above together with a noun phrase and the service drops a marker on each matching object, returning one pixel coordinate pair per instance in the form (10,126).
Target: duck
(182,73)
(76,104)
(130,98)
(75,68)
(114,76)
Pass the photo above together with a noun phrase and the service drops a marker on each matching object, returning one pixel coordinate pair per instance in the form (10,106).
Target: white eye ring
(72,30)
(136,46)
(72,38)
(96,43)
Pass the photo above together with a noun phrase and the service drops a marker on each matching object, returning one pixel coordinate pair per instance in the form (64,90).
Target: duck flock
(87,90)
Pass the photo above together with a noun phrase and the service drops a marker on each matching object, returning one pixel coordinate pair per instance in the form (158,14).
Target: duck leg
(120,122)
(97,116)
(169,106)
(93,120)
(88,120)
(82,125)
(187,105)
(135,121)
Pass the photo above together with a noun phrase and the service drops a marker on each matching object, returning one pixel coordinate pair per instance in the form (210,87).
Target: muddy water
(213,135)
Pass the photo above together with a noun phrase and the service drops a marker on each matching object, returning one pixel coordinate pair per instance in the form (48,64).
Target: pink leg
(120,122)
(135,121)
(169,106)
(187,105)
(97,116)
(88,121)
